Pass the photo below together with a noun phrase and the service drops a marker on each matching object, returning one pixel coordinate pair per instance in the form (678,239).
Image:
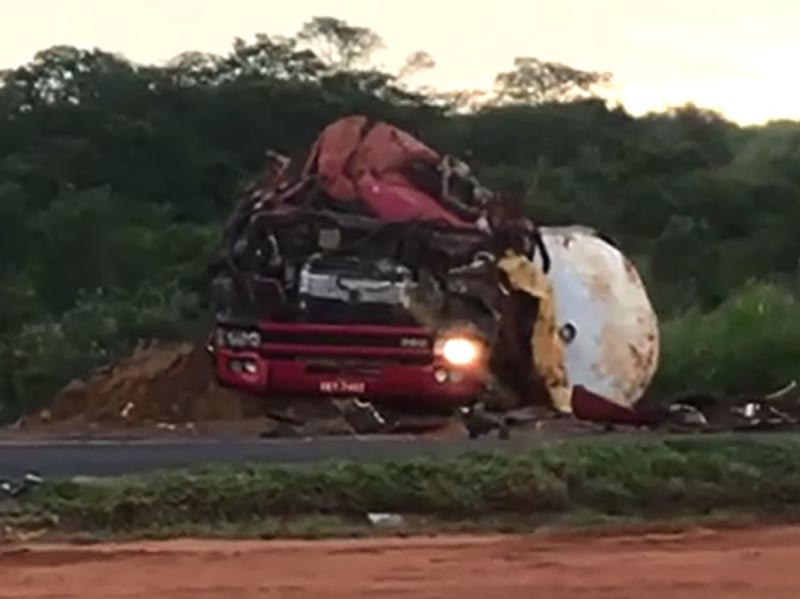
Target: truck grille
(420,342)
(342,343)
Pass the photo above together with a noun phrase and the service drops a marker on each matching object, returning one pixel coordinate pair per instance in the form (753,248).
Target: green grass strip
(659,479)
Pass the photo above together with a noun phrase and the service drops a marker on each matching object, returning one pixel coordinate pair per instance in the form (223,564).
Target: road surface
(55,459)
(59,459)
(698,564)
(66,458)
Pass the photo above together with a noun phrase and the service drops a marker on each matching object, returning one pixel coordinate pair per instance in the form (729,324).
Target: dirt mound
(169,388)
(159,383)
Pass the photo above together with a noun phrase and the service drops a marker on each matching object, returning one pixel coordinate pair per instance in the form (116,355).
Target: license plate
(342,387)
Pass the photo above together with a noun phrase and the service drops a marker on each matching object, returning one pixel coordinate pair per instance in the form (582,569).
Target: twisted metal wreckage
(395,232)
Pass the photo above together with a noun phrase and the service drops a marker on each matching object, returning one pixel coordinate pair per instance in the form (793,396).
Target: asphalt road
(58,459)
(61,459)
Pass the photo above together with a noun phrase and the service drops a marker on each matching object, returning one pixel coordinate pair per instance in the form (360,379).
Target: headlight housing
(238,338)
(460,350)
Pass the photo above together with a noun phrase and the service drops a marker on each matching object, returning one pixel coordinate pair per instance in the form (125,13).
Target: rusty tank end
(604,315)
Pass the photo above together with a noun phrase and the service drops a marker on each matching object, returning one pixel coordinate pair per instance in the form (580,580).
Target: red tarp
(359,159)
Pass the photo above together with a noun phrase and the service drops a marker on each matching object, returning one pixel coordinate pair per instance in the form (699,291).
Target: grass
(750,343)
(575,483)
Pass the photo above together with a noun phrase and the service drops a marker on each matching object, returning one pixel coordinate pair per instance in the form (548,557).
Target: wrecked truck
(375,267)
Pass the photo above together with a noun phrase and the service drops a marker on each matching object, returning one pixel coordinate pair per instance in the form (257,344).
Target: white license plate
(342,387)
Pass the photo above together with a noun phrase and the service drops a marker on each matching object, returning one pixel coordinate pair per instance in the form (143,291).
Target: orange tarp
(354,147)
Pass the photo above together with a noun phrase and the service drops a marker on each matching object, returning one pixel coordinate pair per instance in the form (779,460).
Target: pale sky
(739,57)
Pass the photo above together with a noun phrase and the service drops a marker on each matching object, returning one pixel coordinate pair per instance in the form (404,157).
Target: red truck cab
(374,362)
(346,332)
(313,285)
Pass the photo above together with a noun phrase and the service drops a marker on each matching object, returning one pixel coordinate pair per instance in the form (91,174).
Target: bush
(750,343)
(47,354)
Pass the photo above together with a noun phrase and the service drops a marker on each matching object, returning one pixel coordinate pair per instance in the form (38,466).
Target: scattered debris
(777,410)
(783,392)
(126,411)
(686,415)
(168,388)
(479,422)
(15,489)
(385,520)
(362,416)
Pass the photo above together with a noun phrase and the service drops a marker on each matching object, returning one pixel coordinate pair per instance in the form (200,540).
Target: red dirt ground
(744,564)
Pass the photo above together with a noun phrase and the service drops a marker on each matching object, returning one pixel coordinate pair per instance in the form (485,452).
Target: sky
(734,56)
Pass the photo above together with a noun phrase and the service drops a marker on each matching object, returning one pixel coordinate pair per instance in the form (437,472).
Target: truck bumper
(429,384)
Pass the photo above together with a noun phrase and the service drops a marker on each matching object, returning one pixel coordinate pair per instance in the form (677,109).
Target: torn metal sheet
(546,346)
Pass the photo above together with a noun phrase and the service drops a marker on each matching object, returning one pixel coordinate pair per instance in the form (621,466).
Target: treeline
(115,179)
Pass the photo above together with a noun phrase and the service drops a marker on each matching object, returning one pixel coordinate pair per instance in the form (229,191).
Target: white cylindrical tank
(604,314)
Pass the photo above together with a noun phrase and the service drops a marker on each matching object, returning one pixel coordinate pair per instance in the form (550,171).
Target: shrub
(750,343)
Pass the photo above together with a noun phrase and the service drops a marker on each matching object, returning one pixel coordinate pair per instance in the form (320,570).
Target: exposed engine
(340,289)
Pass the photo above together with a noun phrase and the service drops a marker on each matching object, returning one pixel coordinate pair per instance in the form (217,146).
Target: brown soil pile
(157,384)
(170,388)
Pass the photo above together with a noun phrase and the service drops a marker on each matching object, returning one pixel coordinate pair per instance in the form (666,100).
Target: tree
(533,81)
(195,68)
(67,75)
(271,57)
(340,45)
(117,177)
(414,63)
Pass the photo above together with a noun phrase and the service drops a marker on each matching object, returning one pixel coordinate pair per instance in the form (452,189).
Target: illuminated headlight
(460,351)
(240,338)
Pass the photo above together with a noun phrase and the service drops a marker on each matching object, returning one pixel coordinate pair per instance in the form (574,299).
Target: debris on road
(14,489)
(479,422)
(385,520)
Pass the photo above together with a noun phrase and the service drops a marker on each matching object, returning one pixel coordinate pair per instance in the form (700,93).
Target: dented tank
(604,315)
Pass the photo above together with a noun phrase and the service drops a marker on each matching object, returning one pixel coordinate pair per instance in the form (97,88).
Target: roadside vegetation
(748,344)
(566,484)
(115,180)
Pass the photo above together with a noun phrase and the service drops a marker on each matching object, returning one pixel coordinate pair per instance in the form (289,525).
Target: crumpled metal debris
(685,416)
(362,416)
(546,349)
(479,422)
(771,411)
(14,489)
(345,416)
(702,412)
